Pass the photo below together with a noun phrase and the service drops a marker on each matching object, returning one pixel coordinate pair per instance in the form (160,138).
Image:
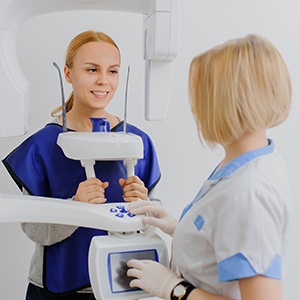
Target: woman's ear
(67,72)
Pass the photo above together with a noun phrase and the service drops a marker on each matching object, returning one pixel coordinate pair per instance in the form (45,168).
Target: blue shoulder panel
(238,267)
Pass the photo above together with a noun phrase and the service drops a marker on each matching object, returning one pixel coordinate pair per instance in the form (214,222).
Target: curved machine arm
(112,217)
(160,38)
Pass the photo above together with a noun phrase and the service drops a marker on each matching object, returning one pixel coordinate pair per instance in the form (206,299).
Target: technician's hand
(152,277)
(91,191)
(156,215)
(133,188)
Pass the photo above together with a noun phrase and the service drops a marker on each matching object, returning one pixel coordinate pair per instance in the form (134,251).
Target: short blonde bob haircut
(78,41)
(238,87)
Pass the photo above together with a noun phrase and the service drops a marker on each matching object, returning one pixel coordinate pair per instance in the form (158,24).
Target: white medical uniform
(237,225)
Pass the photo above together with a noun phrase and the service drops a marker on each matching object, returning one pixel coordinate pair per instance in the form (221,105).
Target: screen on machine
(117,268)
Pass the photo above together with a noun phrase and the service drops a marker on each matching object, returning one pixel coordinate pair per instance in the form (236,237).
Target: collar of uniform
(241,160)
(227,170)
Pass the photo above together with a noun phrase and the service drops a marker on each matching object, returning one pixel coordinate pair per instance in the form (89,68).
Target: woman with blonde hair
(231,240)
(59,266)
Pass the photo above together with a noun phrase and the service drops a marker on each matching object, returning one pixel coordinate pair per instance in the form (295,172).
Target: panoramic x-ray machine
(128,238)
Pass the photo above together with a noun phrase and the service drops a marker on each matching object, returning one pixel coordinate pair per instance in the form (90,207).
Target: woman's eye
(92,70)
(114,71)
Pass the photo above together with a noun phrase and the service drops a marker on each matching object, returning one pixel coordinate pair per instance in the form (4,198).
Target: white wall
(184,162)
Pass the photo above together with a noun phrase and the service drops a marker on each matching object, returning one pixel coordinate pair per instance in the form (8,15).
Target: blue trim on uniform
(231,167)
(275,269)
(199,222)
(238,267)
(241,160)
(190,204)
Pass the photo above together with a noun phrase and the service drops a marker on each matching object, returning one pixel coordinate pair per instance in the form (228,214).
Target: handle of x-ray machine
(160,31)
(22,208)
(88,164)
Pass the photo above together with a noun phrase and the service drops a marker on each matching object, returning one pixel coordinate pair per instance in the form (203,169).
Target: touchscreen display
(117,268)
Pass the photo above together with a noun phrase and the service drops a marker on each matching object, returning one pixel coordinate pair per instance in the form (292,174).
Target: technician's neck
(249,142)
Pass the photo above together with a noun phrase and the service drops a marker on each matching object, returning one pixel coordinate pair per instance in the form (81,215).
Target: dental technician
(231,240)
(59,266)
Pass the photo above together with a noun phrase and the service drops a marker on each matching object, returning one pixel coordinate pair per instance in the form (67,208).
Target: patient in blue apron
(59,266)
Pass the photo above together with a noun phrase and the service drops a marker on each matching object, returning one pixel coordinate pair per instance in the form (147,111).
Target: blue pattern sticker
(199,221)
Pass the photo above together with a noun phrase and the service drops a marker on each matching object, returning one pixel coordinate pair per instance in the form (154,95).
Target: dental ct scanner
(160,43)
(127,236)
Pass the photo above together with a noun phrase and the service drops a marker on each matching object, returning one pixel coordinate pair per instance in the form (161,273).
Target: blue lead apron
(40,166)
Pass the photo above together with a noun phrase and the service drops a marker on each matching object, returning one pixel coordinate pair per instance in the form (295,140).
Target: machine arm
(112,217)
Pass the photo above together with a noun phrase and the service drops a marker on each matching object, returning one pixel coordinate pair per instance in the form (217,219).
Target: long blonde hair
(75,44)
(240,86)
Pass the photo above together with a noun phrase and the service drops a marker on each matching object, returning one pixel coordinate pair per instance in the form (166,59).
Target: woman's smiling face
(94,75)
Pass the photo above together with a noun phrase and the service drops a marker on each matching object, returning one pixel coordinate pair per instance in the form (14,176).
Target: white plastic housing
(101,145)
(91,146)
(160,41)
(21,208)
(107,255)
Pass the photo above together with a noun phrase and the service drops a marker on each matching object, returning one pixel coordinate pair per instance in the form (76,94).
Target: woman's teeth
(100,93)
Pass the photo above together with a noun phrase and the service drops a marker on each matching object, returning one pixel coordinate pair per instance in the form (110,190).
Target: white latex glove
(152,277)
(156,215)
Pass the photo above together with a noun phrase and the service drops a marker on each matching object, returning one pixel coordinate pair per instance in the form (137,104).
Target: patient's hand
(133,188)
(91,190)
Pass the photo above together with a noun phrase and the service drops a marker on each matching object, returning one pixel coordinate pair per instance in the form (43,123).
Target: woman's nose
(102,79)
